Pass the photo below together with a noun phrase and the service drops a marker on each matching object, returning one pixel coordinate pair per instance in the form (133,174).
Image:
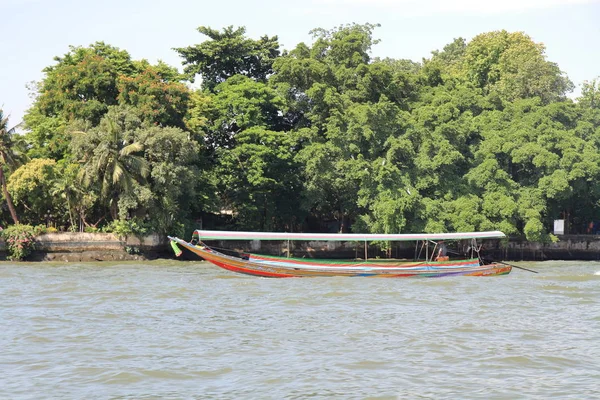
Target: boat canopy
(343,237)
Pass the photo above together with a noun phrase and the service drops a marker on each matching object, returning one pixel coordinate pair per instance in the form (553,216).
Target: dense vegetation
(479,136)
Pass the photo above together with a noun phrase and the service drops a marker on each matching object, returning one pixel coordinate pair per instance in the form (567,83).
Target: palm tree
(66,187)
(113,163)
(10,158)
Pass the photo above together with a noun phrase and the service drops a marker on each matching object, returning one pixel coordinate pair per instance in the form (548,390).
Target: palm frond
(83,177)
(117,173)
(131,149)
(127,183)
(10,156)
(139,165)
(106,186)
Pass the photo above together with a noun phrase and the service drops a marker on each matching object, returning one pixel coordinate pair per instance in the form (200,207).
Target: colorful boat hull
(275,267)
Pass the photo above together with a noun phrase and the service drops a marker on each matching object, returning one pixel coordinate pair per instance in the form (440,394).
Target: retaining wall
(69,246)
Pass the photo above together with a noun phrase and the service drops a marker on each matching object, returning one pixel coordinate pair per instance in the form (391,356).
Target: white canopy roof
(347,237)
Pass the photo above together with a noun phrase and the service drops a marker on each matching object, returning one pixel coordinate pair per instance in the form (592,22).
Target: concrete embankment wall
(67,246)
(569,247)
(108,247)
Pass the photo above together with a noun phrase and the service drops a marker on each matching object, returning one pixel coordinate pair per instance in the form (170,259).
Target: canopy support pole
(366,254)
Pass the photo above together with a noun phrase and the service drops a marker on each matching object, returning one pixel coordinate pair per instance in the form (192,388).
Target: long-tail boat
(431,265)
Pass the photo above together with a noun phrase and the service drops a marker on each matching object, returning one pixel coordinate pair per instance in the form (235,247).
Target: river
(189,330)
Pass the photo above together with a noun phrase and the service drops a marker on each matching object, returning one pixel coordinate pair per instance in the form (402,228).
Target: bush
(20,240)
(123,228)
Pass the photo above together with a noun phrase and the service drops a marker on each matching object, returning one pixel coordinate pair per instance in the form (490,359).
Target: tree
(229,53)
(533,167)
(86,81)
(111,157)
(10,158)
(452,53)
(259,179)
(46,136)
(68,192)
(83,83)
(512,66)
(179,188)
(240,103)
(444,65)
(477,137)
(159,99)
(197,117)
(30,186)
(349,120)
(590,94)
(80,86)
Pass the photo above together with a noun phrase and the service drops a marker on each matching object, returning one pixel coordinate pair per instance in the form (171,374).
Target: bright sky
(32,32)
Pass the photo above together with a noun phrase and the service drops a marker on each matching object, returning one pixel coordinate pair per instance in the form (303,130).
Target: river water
(189,330)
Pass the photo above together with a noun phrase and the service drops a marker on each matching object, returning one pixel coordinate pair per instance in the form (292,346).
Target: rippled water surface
(179,330)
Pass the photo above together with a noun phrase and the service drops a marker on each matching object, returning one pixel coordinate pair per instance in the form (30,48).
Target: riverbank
(81,247)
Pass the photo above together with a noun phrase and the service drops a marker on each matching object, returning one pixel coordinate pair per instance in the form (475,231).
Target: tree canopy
(480,135)
(229,53)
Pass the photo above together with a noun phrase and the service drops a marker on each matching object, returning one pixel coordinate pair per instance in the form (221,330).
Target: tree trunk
(11,207)
(263,219)
(71,220)
(343,228)
(114,208)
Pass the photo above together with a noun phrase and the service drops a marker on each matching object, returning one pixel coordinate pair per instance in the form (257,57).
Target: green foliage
(512,66)
(83,83)
(590,95)
(47,136)
(20,240)
(157,100)
(197,117)
(70,199)
(178,187)
(258,179)
(479,136)
(30,186)
(229,53)
(123,228)
(11,156)
(238,104)
(111,156)
(86,82)
(133,250)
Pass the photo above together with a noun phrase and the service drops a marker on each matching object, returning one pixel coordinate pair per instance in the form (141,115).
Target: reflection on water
(190,330)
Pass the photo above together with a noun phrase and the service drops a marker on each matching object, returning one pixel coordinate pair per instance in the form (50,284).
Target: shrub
(20,240)
(123,228)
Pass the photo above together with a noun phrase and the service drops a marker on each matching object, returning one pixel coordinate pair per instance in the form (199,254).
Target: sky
(33,32)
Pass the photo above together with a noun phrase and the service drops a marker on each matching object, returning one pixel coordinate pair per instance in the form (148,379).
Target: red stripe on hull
(250,271)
